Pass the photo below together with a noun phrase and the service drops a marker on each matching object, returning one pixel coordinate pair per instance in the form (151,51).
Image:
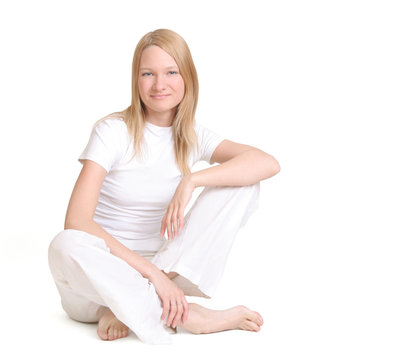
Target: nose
(159,83)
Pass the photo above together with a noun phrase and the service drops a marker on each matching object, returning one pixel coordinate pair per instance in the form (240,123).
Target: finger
(181,217)
(175,221)
(162,228)
(177,318)
(186,311)
(169,230)
(173,311)
(166,308)
(168,222)
(163,224)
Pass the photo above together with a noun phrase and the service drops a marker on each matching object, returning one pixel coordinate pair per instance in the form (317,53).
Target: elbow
(274,166)
(277,168)
(70,224)
(270,166)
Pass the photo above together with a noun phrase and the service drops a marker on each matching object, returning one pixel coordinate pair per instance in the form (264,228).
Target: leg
(199,253)
(91,279)
(81,309)
(203,321)
(110,328)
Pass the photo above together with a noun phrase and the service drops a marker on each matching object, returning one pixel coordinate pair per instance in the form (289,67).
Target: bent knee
(86,312)
(62,243)
(66,244)
(71,238)
(254,189)
(249,192)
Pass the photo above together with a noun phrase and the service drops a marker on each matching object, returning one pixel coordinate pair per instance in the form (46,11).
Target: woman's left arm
(239,165)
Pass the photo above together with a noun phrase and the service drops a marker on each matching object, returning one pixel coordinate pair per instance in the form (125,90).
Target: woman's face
(161,86)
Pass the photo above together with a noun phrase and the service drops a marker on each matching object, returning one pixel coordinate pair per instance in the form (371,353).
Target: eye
(173,72)
(146,74)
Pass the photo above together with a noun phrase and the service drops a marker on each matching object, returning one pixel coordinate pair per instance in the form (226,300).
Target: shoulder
(108,142)
(113,122)
(111,126)
(208,140)
(204,133)
(201,130)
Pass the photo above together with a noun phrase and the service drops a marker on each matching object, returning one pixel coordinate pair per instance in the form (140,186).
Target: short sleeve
(208,141)
(106,143)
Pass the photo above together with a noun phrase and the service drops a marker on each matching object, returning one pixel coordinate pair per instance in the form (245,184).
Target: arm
(239,165)
(81,209)
(79,216)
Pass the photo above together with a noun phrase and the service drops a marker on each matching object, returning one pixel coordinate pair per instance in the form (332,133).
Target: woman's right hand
(173,300)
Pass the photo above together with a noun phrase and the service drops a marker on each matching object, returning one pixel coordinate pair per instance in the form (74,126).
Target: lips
(159,96)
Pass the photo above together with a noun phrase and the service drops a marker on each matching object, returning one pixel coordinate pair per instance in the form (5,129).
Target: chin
(163,108)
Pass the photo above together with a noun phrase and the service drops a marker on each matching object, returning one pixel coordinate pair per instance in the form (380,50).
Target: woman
(112,264)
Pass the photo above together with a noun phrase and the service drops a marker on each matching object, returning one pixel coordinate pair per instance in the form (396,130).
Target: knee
(251,200)
(62,247)
(246,190)
(87,312)
(70,243)
(254,189)
(61,243)
(250,192)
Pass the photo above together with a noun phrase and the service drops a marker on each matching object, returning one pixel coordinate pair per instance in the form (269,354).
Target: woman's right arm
(80,213)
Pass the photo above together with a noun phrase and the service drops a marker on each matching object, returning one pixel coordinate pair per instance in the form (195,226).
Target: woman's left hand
(173,220)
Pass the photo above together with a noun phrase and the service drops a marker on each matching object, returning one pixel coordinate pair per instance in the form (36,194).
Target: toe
(260,319)
(110,334)
(102,334)
(250,325)
(253,316)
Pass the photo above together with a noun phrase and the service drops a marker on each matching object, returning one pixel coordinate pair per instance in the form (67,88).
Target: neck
(163,119)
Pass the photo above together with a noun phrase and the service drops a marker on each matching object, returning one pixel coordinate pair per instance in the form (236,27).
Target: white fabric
(135,193)
(89,277)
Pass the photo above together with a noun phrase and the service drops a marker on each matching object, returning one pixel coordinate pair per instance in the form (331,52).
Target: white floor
(321,85)
(34,323)
(318,301)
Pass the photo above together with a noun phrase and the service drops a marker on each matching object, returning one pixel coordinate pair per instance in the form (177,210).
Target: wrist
(152,273)
(192,179)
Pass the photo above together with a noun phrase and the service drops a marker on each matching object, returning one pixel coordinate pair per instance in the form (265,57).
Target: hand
(174,217)
(172,298)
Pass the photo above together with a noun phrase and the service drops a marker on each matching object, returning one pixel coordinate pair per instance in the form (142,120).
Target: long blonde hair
(185,137)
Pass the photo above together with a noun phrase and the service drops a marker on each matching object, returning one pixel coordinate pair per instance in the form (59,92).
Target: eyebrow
(167,68)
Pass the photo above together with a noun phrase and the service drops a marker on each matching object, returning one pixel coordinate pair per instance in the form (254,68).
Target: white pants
(89,278)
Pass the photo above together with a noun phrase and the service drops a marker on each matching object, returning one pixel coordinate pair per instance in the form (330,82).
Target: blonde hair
(185,137)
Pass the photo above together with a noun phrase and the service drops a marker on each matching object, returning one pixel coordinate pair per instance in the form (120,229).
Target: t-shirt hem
(94,159)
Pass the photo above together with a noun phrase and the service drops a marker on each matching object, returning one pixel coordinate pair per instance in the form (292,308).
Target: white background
(321,85)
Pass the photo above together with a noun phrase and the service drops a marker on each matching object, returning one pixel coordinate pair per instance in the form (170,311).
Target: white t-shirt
(135,193)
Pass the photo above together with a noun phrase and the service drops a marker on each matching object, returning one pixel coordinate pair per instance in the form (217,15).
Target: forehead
(155,57)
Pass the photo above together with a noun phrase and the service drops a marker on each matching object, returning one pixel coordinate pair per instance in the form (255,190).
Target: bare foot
(110,328)
(203,321)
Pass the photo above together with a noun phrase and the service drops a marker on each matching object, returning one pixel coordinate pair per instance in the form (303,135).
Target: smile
(159,97)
